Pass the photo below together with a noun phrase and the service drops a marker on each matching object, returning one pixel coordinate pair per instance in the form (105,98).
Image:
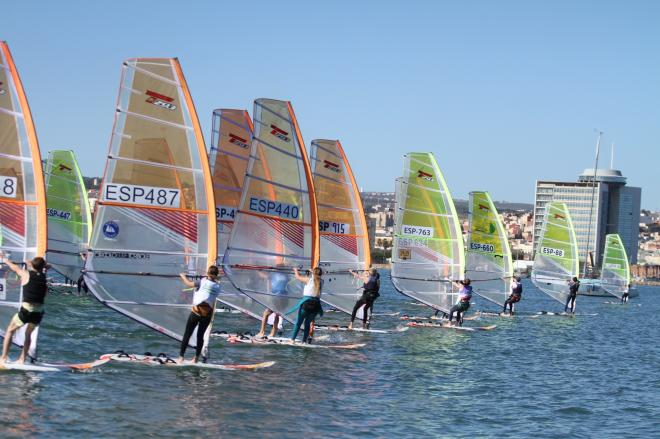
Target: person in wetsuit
(32,307)
(573,287)
(278,287)
(310,305)
(463,304)
(514,297)
(371,287)
(625,296)
(206,291)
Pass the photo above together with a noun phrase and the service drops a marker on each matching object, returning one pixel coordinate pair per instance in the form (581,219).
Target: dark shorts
(311,306)
(30,317)
(462,306)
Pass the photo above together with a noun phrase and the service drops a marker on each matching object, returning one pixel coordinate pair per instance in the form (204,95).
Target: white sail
(342,225)
(555,260)
(155,215)
(276,226)
(23,226)
(69,216)
(488,262)
(428,253)
(615,271)
(231,140)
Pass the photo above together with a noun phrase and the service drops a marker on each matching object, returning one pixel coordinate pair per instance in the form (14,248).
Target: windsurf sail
(615,271)
(276,225)
(231,141)
(344,242)
(488,262)
(155,215)
(556,258)
(428,253)
(69,216)
(23,224)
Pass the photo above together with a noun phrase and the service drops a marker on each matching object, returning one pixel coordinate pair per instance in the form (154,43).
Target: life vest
(35,290)
(465,294)
(373,284)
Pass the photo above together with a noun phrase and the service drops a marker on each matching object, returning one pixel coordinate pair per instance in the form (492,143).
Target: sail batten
(275,224)
(428,253)
(156,199)
(231,137)
(69,215)
(23,224)
(615,270)
(344,243)
(555,259)
(488,262)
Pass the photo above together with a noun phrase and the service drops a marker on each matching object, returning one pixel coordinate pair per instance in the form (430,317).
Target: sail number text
(333,227)
(274,208)
(488,248)
(144,195)
(8,186)
(225,213)
(425,232)
(61,214)
(552,251)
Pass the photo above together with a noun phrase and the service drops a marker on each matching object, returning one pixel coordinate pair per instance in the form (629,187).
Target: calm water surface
(589,376)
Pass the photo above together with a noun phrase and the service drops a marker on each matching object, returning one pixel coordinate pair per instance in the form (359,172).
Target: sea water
(588,376)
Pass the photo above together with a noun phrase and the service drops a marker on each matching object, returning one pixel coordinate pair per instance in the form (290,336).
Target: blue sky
(504,93)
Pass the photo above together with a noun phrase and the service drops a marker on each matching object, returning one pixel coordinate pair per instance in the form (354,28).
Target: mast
(591,208)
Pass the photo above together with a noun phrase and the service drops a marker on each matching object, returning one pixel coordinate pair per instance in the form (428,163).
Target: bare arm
(298,276)
(187,282)
(23,273)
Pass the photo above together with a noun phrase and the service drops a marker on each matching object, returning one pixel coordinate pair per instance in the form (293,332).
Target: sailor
(32,308)
(371,279)
(514,297)
(463,304)
(206,292)
(278,287)
(626,294)
(573,287)
(310,305)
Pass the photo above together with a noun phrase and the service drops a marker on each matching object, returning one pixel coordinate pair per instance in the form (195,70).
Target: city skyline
(503,94)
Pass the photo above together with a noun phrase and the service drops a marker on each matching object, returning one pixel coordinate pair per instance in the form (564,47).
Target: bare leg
(276,323)
(26,344)
(264,322)
(7,342)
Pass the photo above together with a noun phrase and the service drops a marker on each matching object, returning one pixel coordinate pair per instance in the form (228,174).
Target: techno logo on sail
(331,166)
(279,133)
(64,168)
(239,141)
(160,100)
(425,175)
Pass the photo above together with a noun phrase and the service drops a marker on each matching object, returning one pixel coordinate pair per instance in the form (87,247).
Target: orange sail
(23,225)
(155,216)
(276,226)
(342,225)
(231,141)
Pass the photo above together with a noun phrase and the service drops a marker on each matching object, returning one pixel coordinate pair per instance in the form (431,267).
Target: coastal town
(518,219)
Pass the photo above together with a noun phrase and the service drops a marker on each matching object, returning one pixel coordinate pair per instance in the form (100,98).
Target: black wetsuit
(34,292)
(515,296)
(82,285)
(371,288)
(461,307)
(573,288)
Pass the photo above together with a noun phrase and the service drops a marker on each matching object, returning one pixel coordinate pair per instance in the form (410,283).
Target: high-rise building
(597,208)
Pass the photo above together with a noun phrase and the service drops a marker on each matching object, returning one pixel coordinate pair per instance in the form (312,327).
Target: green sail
(428,253)
(615,272)
(69,216)
(488,261)
(556,257)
